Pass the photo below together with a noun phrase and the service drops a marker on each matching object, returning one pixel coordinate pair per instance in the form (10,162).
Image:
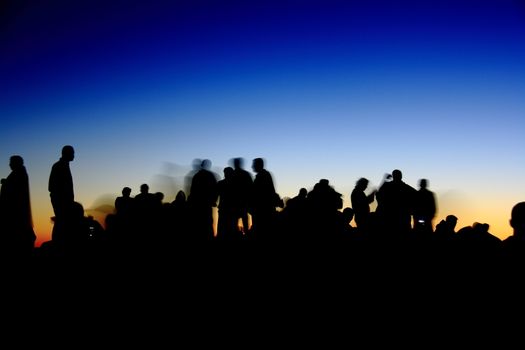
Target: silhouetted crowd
(250,214)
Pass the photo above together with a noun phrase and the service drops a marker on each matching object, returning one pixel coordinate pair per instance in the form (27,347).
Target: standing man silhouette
(61,184)
(15,210)
(263,201)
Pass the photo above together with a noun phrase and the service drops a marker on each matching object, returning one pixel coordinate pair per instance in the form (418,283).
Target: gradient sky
(320,89)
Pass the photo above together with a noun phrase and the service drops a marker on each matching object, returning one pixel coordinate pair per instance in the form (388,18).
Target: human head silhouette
(324,183)
(206,164)
(16,162)
(303,192)
(517,219)
(228,172)
(451,221)
(181,196)
(144,188)
(126,191)
(258,164)
(348,214)
(423,183)
(68,153)
(397,175)
(362,184)
(238,163)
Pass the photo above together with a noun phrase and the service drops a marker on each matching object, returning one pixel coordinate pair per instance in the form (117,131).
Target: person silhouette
(124,203)
(263,202)
(395,202)
(125,214)
(227,228)
(514,245)
(201,201)
(424,208)
(361,204)
(517,220)
(445,229)
(242,187)
(61,184)
(15,209)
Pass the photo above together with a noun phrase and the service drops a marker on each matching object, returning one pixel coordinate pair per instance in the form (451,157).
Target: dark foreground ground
(255,294)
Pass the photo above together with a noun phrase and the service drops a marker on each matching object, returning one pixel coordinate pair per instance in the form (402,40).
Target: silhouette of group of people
(249,209)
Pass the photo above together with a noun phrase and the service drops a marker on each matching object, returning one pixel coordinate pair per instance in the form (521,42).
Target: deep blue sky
(321,89)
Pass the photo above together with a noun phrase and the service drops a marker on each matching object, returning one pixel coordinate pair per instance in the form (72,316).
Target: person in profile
(15,209)
(62,194)
(514,245)
(61,184)
(361,204)
(517,222)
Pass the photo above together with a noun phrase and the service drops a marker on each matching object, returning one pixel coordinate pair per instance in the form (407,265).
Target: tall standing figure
(263,202)
(201,200)
(15,209)
(61,185)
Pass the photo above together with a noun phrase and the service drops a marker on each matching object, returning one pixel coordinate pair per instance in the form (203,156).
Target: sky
(319,89)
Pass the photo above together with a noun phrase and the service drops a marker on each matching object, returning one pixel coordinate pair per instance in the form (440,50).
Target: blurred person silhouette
(242,187)
(264,200)
(201,200)
(15,210)
(227,227)
(424,208)
(195,167)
